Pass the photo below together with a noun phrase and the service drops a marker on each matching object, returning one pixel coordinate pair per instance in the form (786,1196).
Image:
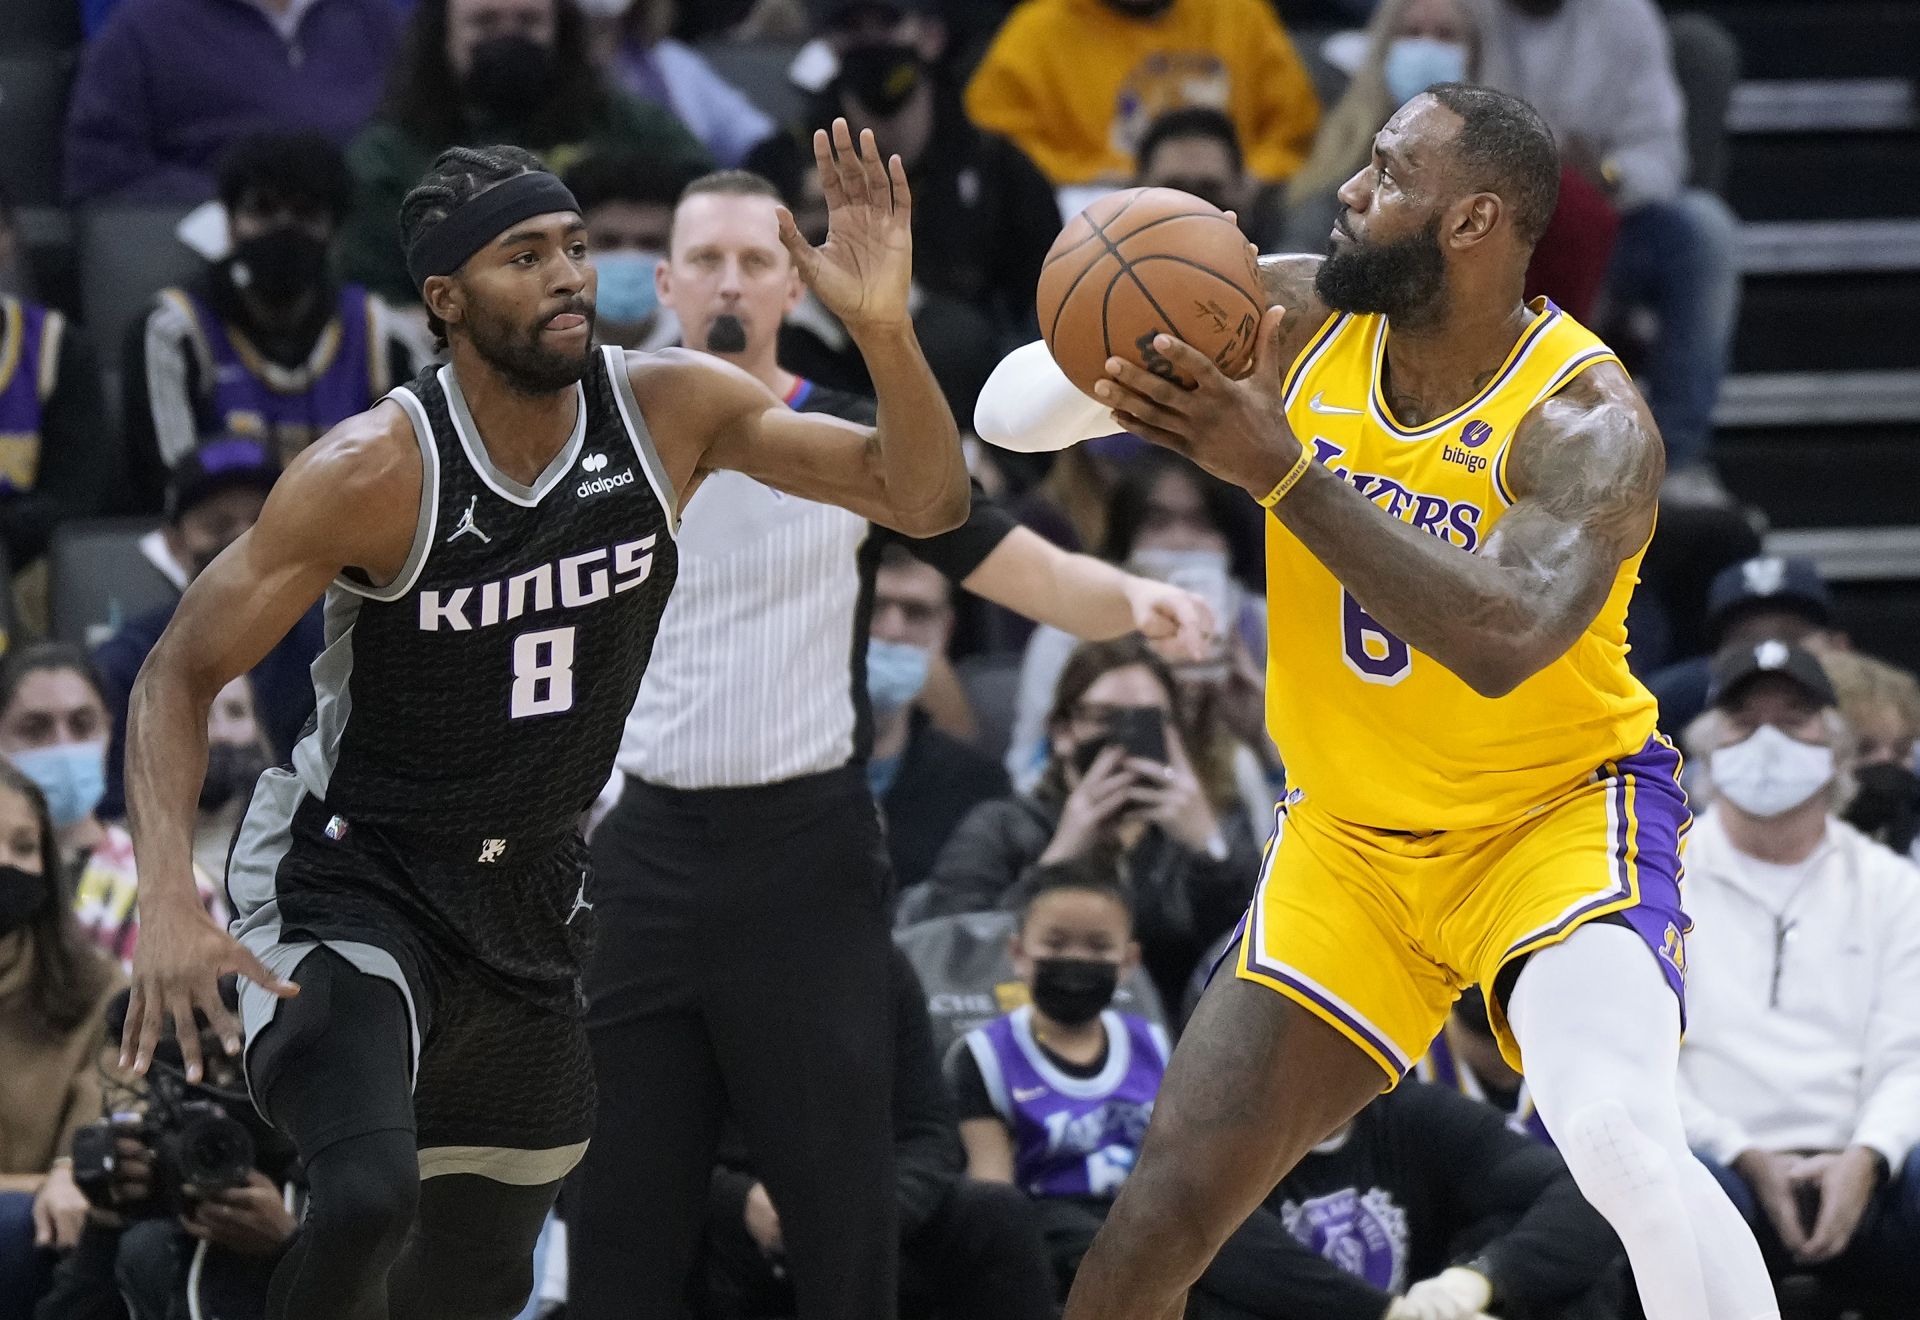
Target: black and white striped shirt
(759,671)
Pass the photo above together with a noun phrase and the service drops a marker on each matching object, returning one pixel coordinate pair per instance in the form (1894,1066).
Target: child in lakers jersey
(1055,1095)
(1462,486)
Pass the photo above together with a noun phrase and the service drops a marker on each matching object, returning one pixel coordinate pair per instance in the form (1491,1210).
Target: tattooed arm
(1585,472)
(1585,469)
(1287,281)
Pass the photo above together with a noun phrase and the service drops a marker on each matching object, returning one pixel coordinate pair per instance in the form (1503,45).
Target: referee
(741,882)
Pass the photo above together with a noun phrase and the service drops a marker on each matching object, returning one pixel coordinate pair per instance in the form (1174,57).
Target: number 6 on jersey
(542,673)
(1371,651)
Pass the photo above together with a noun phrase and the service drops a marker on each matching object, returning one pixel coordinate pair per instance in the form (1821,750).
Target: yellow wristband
(1288,482)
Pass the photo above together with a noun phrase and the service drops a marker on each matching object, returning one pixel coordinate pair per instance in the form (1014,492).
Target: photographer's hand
(59,1210)
(249,1221)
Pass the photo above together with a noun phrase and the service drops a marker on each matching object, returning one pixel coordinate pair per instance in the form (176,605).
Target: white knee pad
(1624,1172)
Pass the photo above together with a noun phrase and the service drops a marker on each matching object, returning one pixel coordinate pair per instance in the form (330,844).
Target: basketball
(1145,262)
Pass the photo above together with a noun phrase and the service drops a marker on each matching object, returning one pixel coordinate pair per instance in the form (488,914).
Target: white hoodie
(1803,999)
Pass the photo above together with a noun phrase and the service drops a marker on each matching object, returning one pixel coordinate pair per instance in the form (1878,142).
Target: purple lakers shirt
(29,356)
(243,393)
(1072,1136)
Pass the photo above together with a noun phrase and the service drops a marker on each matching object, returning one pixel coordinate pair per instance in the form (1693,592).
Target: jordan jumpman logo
(468,526)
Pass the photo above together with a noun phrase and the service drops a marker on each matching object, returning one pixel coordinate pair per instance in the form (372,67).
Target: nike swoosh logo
(1023,1094)
(1334,410)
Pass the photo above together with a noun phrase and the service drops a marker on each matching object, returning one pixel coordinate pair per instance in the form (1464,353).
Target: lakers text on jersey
(1372,731)
(1433,836)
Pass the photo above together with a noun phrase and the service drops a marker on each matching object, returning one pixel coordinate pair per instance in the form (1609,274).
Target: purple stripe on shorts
(1646,849)
(1661,820)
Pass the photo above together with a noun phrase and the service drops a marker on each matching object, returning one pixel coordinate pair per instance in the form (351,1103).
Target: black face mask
(1887,805)
(508,76)
(232,769)
(21,894)
(881,78)
(1141,8)
(279,265)
(1073,991)
(727,334)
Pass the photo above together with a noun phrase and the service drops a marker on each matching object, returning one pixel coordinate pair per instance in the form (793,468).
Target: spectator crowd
(1073,828)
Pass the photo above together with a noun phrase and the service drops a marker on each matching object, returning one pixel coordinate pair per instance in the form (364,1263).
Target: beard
(1402,277)
(526,364)
(727,334)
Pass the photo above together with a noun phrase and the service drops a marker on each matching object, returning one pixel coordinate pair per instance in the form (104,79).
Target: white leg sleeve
(1599,1032)
(1030,405)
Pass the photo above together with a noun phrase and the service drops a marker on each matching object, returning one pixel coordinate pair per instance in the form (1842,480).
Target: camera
(192,1141)
(197,1135)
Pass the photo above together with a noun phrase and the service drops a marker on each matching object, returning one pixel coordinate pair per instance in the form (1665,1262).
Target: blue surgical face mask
(1417,63)
(895,674)
(72,775)
(627,295)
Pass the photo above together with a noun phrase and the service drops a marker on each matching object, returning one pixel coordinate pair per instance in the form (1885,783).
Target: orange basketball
(1146,262)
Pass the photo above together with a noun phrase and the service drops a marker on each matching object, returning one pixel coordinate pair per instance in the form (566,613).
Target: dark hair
(1078,875)
(456,177)
(732,183)
(1090,660)
(626,176)
(297,167)
(1504,147)
(1232,515)
(1193,121)
(1085,667)
(894,555)
(30,660)
(424,97)
(68,972)
(783,160)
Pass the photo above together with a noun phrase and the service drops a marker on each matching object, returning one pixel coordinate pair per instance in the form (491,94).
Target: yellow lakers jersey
(1371,730)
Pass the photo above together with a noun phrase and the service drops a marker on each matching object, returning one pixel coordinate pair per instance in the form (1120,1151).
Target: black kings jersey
(482,692)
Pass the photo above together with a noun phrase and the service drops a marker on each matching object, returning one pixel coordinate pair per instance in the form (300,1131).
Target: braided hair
(456,177)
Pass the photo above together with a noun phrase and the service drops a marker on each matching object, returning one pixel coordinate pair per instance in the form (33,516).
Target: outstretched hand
(177,968)
(1236,429)
(864,269)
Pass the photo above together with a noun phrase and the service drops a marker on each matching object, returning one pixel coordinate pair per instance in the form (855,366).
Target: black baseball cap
(228,463)
(1737,667)
(1767,582)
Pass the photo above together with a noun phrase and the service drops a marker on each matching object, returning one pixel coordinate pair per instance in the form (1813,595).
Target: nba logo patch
(1475,433)
(337,828)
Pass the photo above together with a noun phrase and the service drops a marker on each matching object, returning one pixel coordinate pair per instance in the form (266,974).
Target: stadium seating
(759,69)
(126,255)
(39,25)
(99,578)
(33,109)
(1820,424)
(992,685)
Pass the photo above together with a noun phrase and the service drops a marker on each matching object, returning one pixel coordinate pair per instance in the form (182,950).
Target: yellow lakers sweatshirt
(1075,83)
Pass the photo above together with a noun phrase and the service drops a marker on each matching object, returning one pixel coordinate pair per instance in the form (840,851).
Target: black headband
(473,224)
